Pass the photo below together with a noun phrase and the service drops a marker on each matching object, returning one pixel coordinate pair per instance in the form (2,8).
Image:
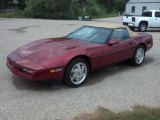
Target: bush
(17,14)
(68,9)
(22,4)
(94,9)
(60,9)
(53,9)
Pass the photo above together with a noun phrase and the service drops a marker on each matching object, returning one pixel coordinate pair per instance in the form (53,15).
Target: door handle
(130,43)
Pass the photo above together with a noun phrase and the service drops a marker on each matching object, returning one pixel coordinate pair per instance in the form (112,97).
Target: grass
(11,15)
(21,15)
(114,14)
(138,113)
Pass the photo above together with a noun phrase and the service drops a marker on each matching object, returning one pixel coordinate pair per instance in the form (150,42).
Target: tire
(139,56)
(76,72)
(142,27)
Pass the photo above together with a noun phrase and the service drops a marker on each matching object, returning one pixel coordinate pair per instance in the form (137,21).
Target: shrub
(94,9)
(54,9)
(60,9)
(22,4)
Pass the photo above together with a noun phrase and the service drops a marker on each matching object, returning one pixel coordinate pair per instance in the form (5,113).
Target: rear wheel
(142,27)
(76,73)
(139,56)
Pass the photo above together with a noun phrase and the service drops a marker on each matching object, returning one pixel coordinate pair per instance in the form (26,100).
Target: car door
(149,17)
(157,19)
(122,50)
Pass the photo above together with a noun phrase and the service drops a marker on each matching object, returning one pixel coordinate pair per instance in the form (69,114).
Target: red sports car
(71,58)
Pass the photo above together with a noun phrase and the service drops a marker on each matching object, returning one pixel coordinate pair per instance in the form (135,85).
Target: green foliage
(113,5)
(138,113)
(54,9)
(94,9)
(61,9)
(112,14)
(2,3)
(69,9)
(12,15)
(22,4)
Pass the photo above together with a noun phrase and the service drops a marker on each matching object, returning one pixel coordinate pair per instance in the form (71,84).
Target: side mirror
(113,42)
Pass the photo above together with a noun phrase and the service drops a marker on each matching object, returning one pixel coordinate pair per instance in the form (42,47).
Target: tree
(22,4)
(113,5)
(70,9)
(2,3)
(54,9)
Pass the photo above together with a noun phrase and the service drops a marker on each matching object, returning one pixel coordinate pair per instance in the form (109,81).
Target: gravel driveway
(117,88)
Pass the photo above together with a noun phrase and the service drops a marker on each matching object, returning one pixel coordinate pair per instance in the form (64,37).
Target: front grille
(17,68)
(14,66)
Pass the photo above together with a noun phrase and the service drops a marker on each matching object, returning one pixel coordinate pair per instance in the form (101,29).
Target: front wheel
(76,73)
(139,56)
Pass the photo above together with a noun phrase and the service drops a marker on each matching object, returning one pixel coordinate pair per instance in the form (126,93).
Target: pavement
(118,88)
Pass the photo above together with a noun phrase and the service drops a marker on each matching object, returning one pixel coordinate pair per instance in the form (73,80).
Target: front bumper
(37,74)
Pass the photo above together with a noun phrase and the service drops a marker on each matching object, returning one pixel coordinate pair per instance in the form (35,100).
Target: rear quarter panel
(144,39)
(127,19)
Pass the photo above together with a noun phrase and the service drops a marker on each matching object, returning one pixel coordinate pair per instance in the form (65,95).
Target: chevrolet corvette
(73,57)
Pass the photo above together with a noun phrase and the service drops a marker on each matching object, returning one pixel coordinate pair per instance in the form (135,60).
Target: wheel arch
(133,61)
(85,57)
(146,22)
(144,45)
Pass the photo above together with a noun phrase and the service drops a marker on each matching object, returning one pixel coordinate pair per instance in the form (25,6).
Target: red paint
(43,55)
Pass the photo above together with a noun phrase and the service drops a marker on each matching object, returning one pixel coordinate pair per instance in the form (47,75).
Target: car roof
(113,26)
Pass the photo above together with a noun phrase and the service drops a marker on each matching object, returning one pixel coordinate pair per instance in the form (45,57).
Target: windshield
(91,34)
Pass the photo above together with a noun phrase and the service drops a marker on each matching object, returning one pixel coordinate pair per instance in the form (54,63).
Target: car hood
(45,49)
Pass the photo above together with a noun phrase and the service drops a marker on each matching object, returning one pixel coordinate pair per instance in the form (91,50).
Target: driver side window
(120,34)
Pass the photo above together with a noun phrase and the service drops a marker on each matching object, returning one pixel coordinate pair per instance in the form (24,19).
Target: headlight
(27,71)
